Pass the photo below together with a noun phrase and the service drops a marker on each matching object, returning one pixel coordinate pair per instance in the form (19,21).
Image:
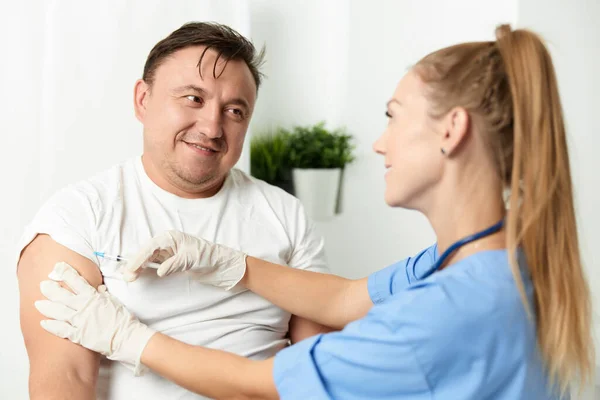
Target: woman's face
(411,146)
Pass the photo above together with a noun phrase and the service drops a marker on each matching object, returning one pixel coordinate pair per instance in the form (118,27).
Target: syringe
(122,259)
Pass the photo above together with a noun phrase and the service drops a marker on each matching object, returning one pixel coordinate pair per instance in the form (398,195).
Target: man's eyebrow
(240,102)
(197,89)
(187,88)
(393,101)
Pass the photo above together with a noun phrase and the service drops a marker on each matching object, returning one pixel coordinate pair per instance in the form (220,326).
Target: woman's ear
(141,92)
(456,128)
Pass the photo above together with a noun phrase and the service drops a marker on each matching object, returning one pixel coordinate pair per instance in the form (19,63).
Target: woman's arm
(97,320)
(327,299)
(213,373)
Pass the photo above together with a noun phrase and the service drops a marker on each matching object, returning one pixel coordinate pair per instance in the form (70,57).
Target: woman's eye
(387,114)
(195,99)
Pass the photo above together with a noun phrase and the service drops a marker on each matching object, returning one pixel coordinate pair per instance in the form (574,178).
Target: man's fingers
(54,310)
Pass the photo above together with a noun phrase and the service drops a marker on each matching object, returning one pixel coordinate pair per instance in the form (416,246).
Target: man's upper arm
(308,254)
(302,328)
(58,368)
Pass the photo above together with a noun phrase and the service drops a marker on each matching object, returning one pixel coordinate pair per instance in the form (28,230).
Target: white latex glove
(92,318)
(210,263)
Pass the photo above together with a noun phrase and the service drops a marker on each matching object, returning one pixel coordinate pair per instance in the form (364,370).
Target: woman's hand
(175,251)
(92,318)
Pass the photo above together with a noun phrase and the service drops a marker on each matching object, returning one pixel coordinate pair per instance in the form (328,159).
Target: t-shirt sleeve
(308,250)
(388,281)
(68,217)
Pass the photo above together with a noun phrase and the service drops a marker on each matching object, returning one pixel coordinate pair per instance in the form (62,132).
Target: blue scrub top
(461,333)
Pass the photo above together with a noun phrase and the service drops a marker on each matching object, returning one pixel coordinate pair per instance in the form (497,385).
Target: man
(195,101)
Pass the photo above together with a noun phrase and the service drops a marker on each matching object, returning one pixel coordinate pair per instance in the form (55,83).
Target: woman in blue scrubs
(498,308)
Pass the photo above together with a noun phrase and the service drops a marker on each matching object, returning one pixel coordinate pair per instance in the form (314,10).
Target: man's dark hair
(226,42)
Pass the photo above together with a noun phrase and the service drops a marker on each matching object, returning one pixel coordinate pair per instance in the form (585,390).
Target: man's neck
(183,190)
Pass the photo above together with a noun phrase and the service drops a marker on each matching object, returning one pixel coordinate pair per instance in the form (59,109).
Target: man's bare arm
(302,328)
(59,369)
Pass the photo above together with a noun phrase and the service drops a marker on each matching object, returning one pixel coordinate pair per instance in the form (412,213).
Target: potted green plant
(317,157)
(269,159)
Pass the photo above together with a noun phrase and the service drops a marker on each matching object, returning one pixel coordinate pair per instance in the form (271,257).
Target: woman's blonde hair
(509,89)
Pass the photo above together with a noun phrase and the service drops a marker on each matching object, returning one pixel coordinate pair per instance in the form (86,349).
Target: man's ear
(456,129)
(141,91)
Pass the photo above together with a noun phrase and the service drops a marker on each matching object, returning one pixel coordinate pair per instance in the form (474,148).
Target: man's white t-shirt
(119,210)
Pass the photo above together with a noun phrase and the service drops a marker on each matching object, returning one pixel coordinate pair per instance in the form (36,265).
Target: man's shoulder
(102,186)
(112,176)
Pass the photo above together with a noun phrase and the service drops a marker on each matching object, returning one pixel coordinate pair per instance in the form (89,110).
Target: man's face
(194,127)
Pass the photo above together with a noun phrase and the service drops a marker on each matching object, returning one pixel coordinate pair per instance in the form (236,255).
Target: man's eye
(195,99)
(237,112)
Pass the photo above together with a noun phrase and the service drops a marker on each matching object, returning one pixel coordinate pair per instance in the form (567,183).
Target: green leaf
(269,156)
(316,147)
(273,154)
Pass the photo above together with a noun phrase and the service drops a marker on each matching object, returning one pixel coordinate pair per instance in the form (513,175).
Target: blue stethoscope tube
(476,236)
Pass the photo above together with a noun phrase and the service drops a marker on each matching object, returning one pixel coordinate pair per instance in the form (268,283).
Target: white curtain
(67,69)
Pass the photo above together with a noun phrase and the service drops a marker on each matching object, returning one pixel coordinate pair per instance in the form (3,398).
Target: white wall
(573,35)
(341,63)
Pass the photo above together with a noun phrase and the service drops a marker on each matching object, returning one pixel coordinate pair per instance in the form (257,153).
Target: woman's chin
(392,199)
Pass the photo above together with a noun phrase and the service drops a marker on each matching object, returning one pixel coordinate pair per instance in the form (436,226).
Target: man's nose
(210,122)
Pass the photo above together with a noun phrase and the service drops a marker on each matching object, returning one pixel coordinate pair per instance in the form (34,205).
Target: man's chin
(198,178)
(197,173)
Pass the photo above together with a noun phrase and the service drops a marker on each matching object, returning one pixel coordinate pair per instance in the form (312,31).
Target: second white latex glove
(175,251)
(92,318)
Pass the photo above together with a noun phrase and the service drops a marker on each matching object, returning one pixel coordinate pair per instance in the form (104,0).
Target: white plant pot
(317,189)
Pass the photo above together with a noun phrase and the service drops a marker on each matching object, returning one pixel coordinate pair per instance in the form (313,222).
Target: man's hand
(92,318)
(176,251)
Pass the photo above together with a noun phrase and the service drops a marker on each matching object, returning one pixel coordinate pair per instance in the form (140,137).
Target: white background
(67,70)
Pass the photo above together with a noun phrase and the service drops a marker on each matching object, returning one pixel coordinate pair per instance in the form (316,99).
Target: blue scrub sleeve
(369,359)
(388,281)
(380,283)
(296,376)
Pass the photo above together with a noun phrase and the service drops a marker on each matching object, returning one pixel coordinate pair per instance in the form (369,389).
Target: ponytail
(541,220)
